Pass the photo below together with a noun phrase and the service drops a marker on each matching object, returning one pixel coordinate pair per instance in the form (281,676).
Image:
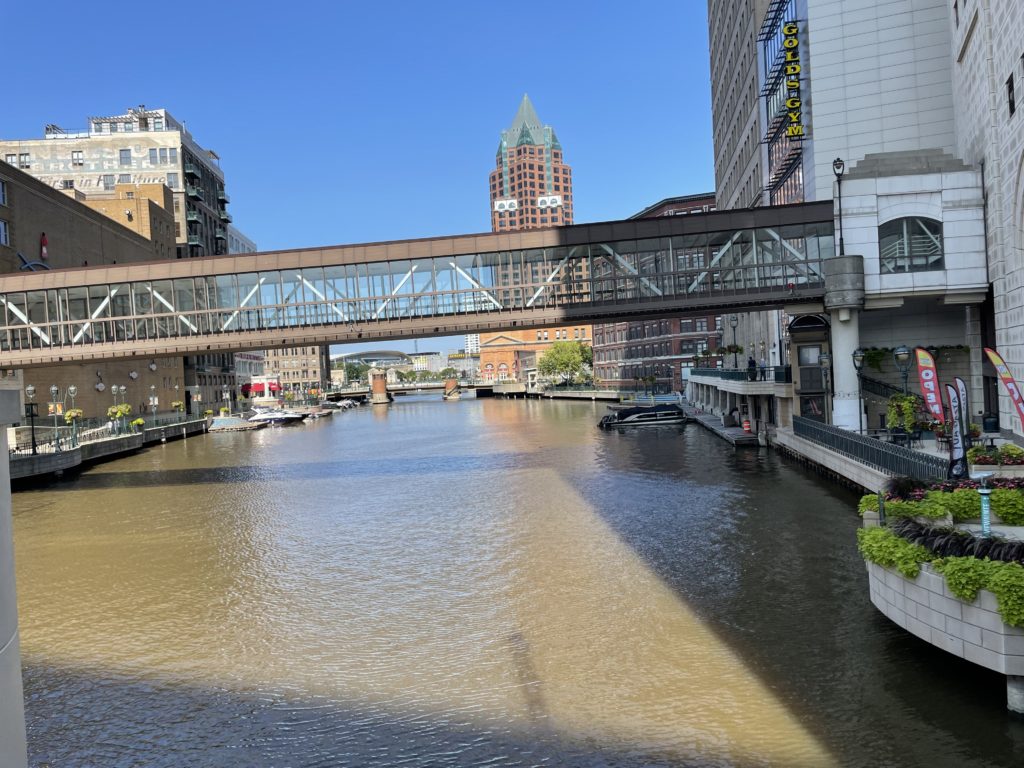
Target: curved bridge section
(589,273)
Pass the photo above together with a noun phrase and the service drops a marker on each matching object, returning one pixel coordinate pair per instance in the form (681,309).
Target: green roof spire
(526,127)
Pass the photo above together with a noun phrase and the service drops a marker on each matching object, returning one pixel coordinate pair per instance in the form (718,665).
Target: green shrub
(1006,582)
(1008,506)
(867,503)
(902,411)
(964,575)
(882,546)
(925,508)
(962,504)
(1011,454)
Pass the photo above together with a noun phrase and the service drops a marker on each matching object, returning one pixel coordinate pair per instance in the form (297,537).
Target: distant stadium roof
(376,357)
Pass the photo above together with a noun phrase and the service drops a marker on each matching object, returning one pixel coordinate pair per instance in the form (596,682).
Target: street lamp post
(838,168)
(122,389)
(986,510)
(733,322)
(901,356)
(31,410)
(152,401)
(825,361)
(54,391)
(226,395)
(858,361)
(72,390)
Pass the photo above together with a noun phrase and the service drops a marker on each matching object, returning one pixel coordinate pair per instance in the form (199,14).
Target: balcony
(221,234)
(194,192)
(778,380)
(195,240)
(192,170)
(225,216)
(223,196)
(193,216)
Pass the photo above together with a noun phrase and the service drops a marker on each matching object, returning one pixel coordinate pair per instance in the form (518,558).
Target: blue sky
(350,122)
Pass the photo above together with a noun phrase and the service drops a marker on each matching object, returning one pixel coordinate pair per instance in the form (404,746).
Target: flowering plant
(72,414)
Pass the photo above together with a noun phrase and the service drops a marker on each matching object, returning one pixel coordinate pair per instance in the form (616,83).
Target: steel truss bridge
(590,273)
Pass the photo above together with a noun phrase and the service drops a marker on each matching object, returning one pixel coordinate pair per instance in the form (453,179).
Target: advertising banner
(1008,382)
(957,453)
(930,385)
(965,412)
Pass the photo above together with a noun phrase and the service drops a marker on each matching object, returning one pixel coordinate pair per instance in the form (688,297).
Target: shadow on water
(758,545)
(79,719)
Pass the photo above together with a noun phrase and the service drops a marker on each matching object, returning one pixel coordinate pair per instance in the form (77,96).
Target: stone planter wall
(925,607)
(1013,470)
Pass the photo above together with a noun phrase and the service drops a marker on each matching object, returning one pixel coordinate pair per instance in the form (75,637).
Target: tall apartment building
(628,355)
(530,187)
(141,146)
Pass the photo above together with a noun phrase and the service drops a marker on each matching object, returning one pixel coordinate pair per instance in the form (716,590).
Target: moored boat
(643,416)
(233,424)
(277,418)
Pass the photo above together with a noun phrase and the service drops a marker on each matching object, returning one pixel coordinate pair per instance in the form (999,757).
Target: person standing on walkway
(751,369)
(764,369)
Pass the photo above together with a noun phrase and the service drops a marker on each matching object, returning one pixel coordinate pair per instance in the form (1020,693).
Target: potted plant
(178,406)
(71,415)
(138,423)
(902,412)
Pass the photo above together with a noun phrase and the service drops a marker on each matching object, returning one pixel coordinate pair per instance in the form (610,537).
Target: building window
(172,180)
(24,160)
(1011,102)
(124,178)
(3,193)
(108,181)
(158,123)
(113,127)
(67,184)
(152,156)
(124,157)
(129,127)
(76,157)
(912,244)
(4,239)
(11,159)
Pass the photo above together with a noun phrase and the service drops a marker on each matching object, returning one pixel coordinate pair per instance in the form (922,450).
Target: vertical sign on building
(794,102)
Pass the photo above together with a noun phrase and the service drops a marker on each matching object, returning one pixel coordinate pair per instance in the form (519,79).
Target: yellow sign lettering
(794,117)
(790,29)
(793,103)
(793,85)
(790,42)
(792,69)
(794,130)
(792,56)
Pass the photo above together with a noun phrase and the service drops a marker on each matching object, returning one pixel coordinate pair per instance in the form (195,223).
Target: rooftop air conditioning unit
(549,201)
(506,205)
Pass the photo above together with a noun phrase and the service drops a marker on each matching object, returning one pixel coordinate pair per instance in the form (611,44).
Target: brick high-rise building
(531,187)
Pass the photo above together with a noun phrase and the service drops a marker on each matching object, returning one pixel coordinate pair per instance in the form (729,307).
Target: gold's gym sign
(794,104)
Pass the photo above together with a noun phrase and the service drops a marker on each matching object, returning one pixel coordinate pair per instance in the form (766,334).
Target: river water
(481,583)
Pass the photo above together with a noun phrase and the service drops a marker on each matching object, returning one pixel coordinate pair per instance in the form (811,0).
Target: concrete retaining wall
(925,607)
(110,447)
(866,477)
(27,465)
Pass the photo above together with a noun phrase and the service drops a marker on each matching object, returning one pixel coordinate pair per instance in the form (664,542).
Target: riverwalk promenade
(54,457)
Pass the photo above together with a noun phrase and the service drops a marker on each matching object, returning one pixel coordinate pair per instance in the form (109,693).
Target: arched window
(912,244)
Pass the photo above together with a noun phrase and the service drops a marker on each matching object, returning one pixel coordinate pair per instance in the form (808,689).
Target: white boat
(643,416)
(233,424)
(277,417)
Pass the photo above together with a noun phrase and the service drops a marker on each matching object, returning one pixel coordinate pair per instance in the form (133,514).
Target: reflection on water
(472,583)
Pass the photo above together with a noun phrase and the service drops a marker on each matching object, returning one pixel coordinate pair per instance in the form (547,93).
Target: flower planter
(1001,470)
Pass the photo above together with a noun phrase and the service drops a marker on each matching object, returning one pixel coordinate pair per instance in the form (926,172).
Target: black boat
(643,416)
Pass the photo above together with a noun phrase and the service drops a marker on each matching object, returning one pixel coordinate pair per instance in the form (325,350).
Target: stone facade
(925,607)
(986,52)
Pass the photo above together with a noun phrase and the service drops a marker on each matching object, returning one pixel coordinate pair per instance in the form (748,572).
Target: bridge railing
(891,459)
(780,374)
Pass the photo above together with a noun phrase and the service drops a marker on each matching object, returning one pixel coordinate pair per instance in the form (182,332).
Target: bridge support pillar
(13,749)
(844,298)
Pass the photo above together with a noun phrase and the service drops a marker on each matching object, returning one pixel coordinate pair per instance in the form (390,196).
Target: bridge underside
(446,286)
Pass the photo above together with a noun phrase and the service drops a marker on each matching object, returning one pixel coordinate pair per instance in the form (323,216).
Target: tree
(355,371)
(449,373)
(565,360)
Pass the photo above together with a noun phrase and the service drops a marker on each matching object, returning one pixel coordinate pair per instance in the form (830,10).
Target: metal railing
(880,388)
(892,459)
(780,374)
